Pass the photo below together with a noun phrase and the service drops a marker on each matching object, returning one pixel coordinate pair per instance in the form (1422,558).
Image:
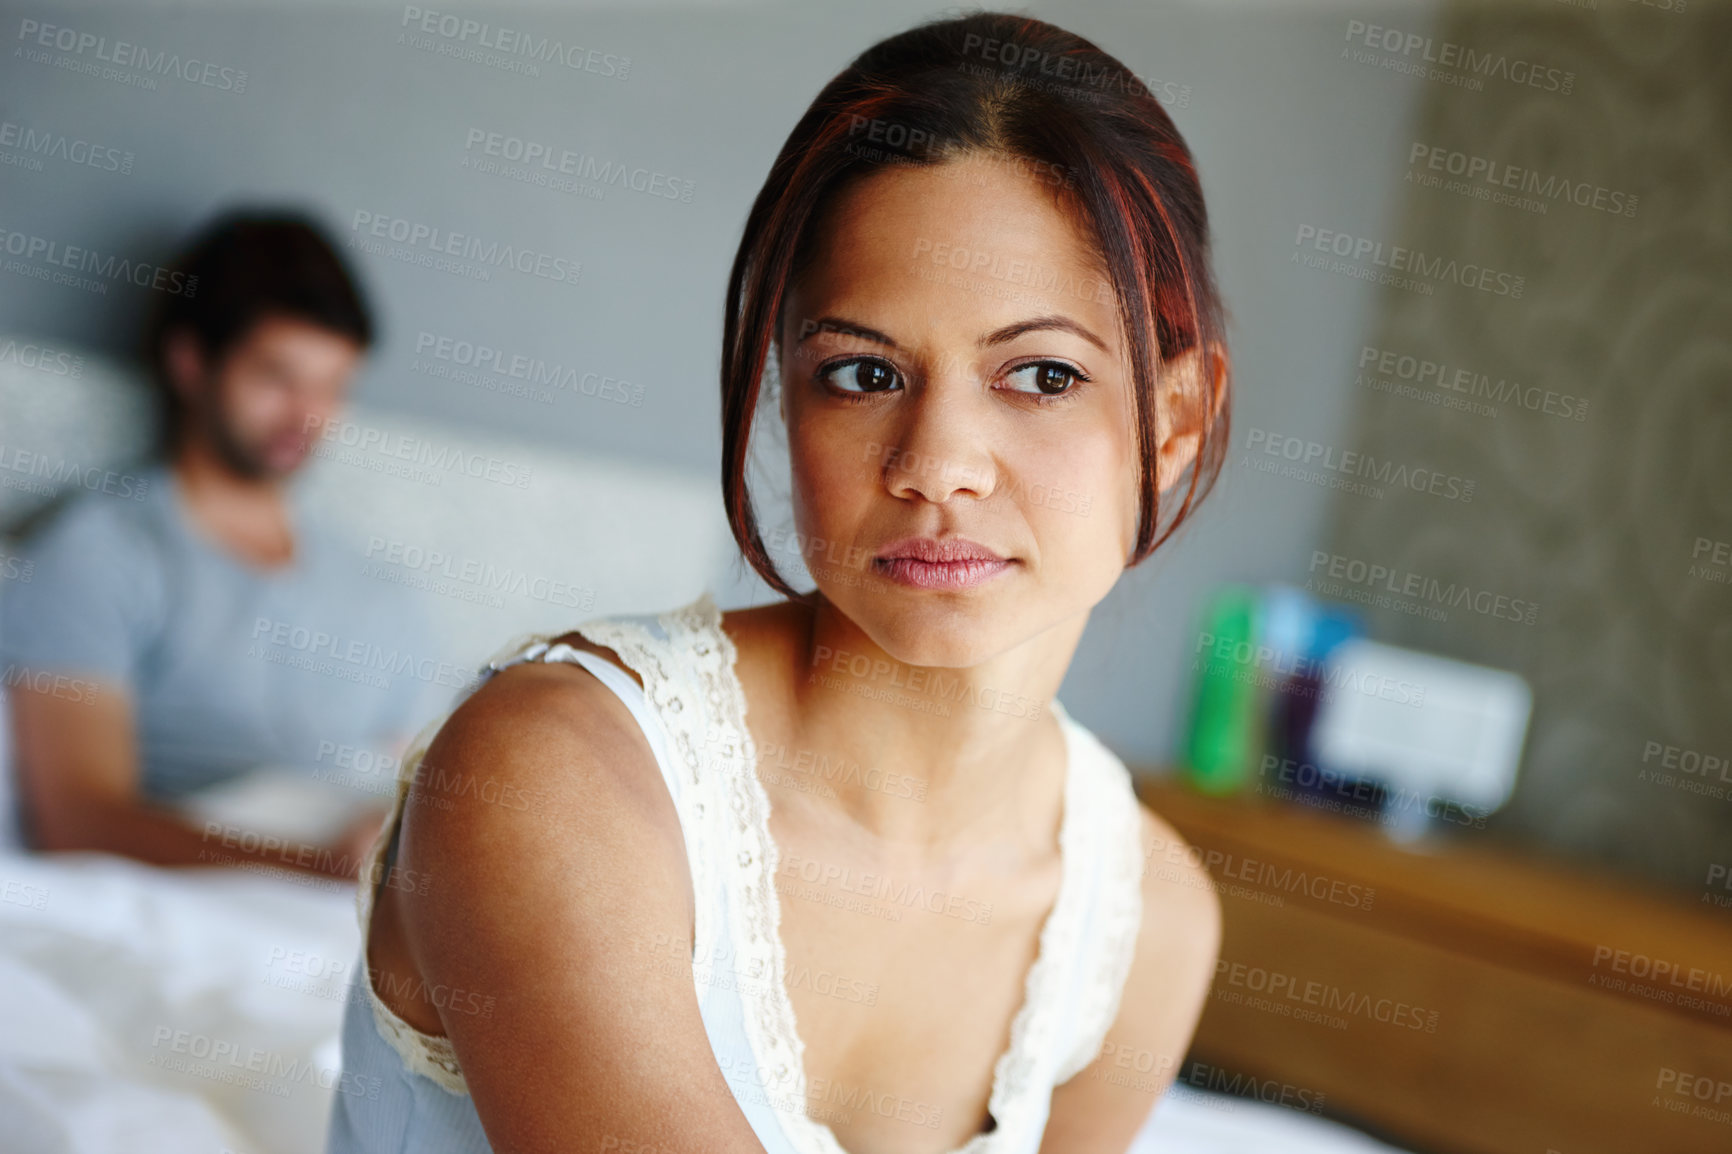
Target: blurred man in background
(180,617)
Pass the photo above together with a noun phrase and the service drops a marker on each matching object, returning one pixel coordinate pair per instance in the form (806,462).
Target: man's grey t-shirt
(230,666)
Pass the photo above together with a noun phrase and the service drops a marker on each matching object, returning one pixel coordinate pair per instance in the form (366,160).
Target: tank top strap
(1106,944)
(629,692)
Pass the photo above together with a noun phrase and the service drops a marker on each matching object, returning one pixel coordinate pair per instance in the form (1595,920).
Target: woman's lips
(939,574)
(931,563)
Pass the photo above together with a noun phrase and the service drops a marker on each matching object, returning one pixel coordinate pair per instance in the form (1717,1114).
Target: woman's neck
(933,759)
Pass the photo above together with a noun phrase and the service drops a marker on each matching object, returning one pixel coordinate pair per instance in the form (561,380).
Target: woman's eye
(862,376)
(1046,377)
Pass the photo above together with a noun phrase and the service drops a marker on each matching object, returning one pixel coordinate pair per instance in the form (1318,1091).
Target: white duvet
(198,1012)
(145,1010)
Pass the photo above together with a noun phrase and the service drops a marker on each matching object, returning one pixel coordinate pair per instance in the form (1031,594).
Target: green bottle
(1225,731)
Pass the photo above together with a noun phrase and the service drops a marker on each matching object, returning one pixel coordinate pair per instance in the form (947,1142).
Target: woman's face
(952,368)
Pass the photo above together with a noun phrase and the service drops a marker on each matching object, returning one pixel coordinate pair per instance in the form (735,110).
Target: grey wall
(337,113)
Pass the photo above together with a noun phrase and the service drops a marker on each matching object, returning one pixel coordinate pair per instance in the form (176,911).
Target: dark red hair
(1013,87)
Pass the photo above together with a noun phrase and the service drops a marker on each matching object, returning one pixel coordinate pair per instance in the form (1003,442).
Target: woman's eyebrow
(834,324)
(830,324)
(1036,324)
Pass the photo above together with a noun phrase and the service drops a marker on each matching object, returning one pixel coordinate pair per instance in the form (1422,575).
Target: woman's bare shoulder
(1178,942)
(1178,894)
(537,751)
(559,896)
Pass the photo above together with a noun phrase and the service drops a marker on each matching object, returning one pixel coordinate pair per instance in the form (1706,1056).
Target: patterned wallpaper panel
(1574,363)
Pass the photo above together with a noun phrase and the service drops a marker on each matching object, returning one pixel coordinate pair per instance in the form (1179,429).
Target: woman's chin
(937,632)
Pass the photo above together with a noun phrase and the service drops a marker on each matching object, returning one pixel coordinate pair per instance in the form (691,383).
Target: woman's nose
(941,449)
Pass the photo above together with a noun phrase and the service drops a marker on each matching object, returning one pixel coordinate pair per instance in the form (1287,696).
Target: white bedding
(114,976)
(125,988)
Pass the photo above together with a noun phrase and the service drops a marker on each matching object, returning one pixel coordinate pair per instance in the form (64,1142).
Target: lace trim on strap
(1119,900)
(1019,1093)
(749,859)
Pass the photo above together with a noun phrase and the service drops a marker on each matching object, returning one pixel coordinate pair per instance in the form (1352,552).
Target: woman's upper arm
(554,928)
(1101,1109)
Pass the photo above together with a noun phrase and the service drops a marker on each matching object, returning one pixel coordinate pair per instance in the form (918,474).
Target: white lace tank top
(692,710)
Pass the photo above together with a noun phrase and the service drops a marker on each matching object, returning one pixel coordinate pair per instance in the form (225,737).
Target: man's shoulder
(94,524)
(97,589)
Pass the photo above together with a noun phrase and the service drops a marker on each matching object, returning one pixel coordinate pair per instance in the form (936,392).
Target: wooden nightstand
(1455,998)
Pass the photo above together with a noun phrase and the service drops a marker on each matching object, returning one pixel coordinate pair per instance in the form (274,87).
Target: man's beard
(236,454)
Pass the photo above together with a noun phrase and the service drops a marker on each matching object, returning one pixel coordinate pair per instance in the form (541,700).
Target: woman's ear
(1191,392)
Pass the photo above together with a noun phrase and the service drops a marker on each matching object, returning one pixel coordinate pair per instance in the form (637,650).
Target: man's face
(260,405)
